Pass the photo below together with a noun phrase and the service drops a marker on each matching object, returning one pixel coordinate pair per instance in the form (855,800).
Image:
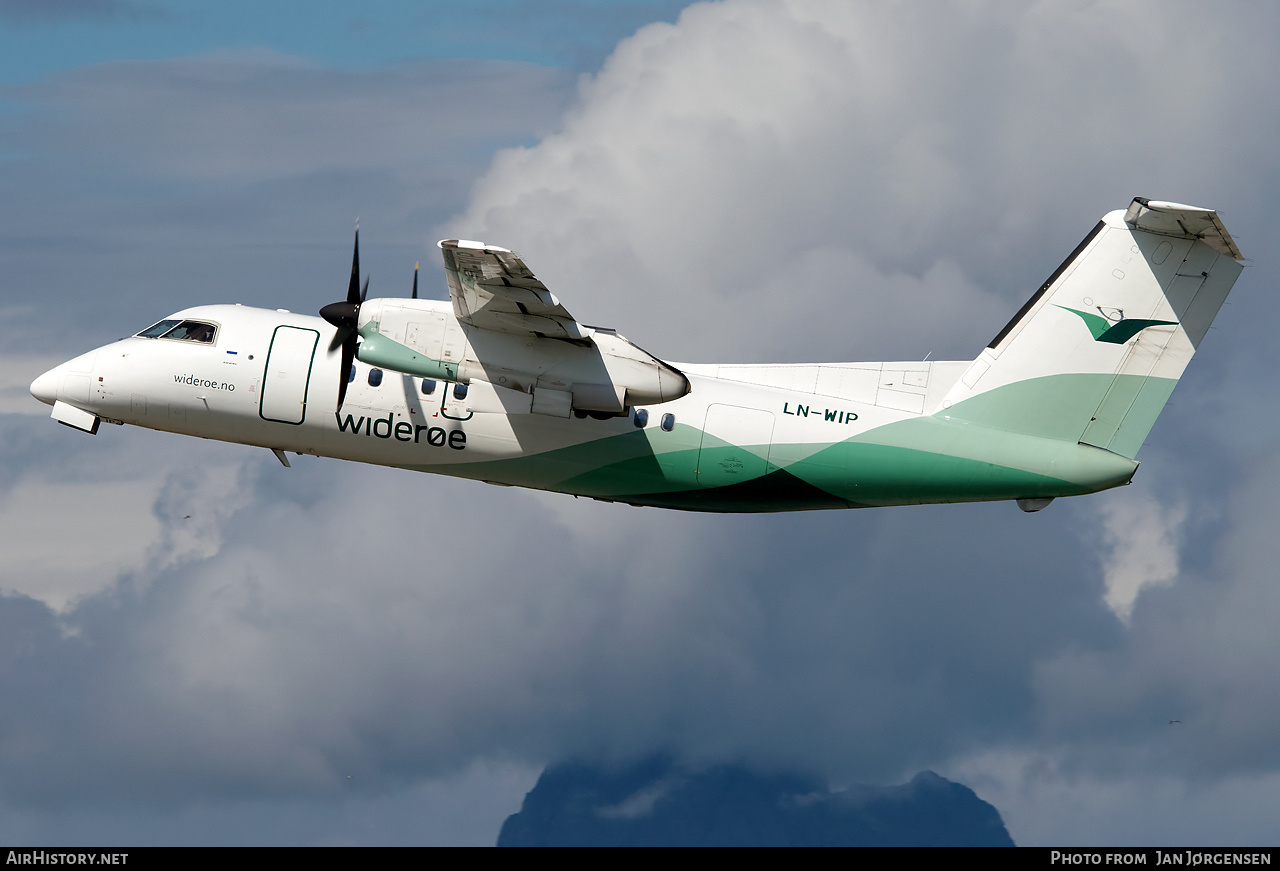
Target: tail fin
(1094,354)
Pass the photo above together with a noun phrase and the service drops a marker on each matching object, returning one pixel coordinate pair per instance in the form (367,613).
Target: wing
(492,289)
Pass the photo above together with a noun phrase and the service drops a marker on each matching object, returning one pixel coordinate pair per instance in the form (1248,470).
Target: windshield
(158,329)
(184,331)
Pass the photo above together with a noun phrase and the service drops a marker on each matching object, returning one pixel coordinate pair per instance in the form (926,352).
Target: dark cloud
(313,639)
(1198,653)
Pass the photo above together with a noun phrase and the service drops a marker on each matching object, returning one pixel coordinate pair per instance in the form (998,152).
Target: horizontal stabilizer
(1185,222)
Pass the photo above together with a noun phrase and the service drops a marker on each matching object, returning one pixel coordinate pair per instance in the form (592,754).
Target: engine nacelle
(601,371)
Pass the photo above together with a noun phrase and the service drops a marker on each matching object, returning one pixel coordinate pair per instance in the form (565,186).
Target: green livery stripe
(1141,416)
(854,473)
(639,461)
(1065,407)
(845,474)
(1017,441)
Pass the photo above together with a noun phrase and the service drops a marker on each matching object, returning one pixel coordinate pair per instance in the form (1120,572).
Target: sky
(198,646)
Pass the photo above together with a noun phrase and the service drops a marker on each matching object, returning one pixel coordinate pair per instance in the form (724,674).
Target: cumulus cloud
(1142,536)
(81,513)
(792,181)
(1197,652)
(789,180)
(327,637)
(99,531)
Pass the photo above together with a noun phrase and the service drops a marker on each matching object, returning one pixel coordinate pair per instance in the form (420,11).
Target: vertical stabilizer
(1094,354)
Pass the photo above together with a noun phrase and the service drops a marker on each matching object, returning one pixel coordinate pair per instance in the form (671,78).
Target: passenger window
(351,376)
(428,387)
(459,391)
(642,417)
(668,422)
(375,377)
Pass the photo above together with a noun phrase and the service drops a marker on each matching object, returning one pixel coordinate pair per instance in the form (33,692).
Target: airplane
(501,384)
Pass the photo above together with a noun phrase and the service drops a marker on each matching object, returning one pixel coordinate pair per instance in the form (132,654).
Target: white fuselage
(271,380)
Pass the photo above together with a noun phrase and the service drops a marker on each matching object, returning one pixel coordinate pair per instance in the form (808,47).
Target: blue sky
(741,181)
(39,39)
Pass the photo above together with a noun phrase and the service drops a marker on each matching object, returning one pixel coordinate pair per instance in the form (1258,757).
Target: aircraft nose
(45,388)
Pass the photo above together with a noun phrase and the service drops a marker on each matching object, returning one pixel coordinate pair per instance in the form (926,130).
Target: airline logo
(402,430)
(1115,332)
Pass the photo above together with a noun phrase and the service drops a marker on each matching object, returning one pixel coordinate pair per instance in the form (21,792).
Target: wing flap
(492,289)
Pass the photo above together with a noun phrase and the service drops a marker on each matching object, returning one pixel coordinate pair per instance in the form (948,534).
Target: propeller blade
(345,317)
(344,374)
(415,281)
(353,289)
(340,337)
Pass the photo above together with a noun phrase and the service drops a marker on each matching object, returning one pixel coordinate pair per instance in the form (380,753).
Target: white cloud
(79,513)
(16,375)
(1143,536)
(65,540)
(743,183)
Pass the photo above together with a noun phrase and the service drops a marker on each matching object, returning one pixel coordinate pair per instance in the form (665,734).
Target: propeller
(415,280)
(345,316)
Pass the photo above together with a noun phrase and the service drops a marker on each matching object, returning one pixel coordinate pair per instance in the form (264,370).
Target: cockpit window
(182,331)
(192,331)
(158,329)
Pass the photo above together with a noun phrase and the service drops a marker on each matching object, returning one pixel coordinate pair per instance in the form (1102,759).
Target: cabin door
(288,375)
(735,445)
